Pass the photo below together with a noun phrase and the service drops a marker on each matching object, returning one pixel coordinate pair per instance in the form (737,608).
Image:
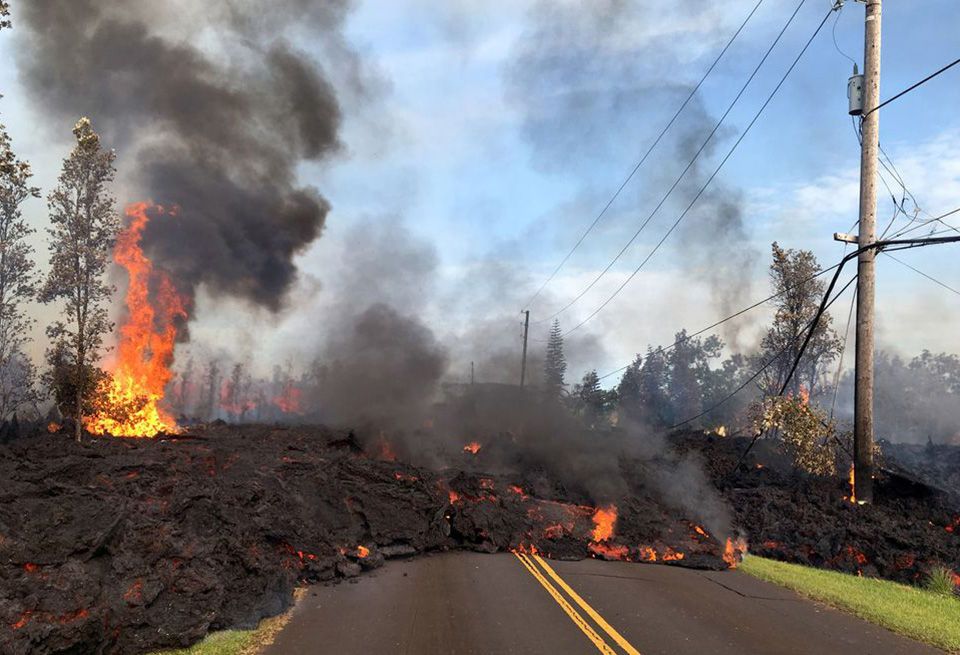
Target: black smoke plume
(214,110)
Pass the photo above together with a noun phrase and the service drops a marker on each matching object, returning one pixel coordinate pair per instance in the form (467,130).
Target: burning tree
(84,228)
(18,278)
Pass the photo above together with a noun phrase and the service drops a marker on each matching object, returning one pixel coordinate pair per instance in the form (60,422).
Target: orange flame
(362,551)
(147,339)
(852,479)
(473,448)
(804,394)
(733,551)
(607,551)
(289,400)
(647,554)
(604,518)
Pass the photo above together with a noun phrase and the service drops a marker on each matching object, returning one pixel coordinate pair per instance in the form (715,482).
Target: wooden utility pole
(471,373)
(526,331)
(870,129)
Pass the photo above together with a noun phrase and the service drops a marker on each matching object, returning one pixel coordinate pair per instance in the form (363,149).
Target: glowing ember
(517,490)
(53,427)
(603,521)
(672,555)
(134,392)
(454,497)
(700,531)
(733,551)
(608,551)
(473,448)
(386,450)
(647,554)
(362,551)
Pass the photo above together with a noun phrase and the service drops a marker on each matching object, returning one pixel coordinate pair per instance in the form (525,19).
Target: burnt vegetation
(247,480)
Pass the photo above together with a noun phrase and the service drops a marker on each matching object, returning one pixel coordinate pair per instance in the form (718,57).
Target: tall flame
(147,339)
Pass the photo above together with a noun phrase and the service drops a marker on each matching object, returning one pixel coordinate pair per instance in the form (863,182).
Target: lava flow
(134,392)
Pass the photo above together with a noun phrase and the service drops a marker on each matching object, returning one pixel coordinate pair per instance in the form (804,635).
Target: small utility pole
(471,373)
(863,389)
(526,331)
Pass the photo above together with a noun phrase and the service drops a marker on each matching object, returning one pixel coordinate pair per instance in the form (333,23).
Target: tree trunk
(78,419)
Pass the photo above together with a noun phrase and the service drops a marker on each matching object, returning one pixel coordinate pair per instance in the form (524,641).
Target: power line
(811,327)
(709,180)
(843,350)
(683,173)
(646,154)
(919,272)
(676,343)
(935,219)
(911,88)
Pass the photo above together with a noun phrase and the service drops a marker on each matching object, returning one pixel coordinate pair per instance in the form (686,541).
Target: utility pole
(526,331)
(870,130)
(471,373)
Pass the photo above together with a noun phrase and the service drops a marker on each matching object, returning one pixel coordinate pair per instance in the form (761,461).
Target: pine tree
(592,401)
(5,14)
(555,365)
(18,281)
(84,228)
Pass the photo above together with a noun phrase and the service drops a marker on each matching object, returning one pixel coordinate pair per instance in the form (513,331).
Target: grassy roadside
(239,642)
(916,613)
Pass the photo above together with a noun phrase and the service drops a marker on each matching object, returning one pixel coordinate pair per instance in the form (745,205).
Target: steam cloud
(216,129)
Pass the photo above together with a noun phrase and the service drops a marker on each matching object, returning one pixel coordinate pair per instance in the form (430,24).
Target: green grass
(228,642)
(238,642)
(926,616)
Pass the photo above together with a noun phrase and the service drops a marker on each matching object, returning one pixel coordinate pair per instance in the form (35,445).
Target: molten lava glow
(609,551)
(733,551)
(647,554)
(473,448)
(604,518)
(672,555)
(386,450)
(135,389)
(362,551)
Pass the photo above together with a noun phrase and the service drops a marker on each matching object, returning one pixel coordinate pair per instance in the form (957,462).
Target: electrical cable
(919,272)
(912,87)
(664,349)
(656,141)
(810,328)
(692,161)
(707,183)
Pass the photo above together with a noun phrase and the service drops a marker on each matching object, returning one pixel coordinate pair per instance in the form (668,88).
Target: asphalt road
(467,603)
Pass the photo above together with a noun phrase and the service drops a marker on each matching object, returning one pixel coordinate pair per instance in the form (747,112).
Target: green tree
(84,227)
(799,297)
(555,364)
(689,364)
(592,402)
(18,281)
(642,394)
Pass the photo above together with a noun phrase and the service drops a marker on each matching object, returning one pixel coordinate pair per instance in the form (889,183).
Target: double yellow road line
(537,566)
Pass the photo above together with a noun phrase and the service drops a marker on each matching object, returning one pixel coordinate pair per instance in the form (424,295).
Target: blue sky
(477,155)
